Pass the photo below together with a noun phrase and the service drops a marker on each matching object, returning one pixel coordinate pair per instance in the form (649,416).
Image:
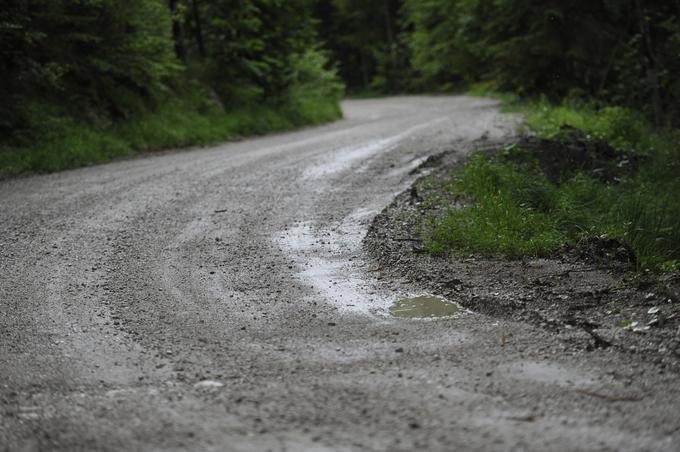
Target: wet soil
(574,152)
(588,295)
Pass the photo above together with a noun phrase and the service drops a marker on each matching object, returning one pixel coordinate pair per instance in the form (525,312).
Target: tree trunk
(199,28)
(652,66)
(364,71)
(389,31)
(177,30)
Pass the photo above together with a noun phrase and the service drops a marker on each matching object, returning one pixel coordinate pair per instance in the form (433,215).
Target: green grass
(177,124)
(622,128)
(497,218)
(513,210)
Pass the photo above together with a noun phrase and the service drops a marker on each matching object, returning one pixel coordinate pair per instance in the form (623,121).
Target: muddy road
(220,300)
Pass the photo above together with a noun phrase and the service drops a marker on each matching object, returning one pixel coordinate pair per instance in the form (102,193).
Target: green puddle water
(423,307)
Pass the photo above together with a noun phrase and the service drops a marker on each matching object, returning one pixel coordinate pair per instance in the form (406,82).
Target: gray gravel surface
(220,300)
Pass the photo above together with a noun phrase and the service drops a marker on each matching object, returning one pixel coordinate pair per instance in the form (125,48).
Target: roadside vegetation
(90,80)
(526,202)
(69,143)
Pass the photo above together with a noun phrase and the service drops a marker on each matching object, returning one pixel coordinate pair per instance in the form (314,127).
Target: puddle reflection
(423,307)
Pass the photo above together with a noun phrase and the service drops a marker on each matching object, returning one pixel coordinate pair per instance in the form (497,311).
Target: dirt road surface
(220,300)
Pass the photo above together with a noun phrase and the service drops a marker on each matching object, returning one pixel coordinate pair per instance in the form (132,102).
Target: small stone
(208,384)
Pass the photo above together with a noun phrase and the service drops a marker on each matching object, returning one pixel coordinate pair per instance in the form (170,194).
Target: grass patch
(511,208)
(177,124)
(497,218)
(622,128)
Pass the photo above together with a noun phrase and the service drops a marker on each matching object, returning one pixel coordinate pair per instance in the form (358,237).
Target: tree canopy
(105,60)
(624,51)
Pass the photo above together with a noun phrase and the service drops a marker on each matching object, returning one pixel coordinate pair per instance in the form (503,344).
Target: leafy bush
(315,90)
(92,59)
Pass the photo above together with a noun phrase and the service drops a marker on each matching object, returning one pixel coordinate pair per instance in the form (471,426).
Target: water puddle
(328,260)
(423,307)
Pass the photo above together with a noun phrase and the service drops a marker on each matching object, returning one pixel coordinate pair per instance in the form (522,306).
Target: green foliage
(513,209)
(250,46)
(624,52)
(366,40)
(175,124)
(313,87)
(446,41)
(623,128)
(94,59)
(87,80)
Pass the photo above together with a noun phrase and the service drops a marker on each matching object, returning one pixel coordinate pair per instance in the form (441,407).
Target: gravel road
(219,300)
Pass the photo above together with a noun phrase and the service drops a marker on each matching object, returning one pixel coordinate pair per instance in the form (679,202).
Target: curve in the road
(218,299)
